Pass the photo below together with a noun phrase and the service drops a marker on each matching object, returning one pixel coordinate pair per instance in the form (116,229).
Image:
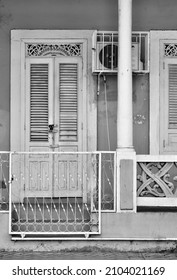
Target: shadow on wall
(4,131)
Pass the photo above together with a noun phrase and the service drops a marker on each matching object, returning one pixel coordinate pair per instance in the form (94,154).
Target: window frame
(155,59)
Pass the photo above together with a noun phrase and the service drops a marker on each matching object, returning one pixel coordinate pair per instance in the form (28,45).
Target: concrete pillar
(126,160)
(124,108)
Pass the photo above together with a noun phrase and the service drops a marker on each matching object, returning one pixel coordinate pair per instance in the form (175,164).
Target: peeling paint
(139,119)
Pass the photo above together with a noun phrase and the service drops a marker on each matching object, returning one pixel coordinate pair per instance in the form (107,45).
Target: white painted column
(124,108)
(126,157)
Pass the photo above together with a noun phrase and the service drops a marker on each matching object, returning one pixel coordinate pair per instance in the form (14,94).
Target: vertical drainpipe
(126,158)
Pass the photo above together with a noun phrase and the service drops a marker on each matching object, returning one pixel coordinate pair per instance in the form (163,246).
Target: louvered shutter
(168,107)
(68,102)
(39,103)
(39,80)
(172,76)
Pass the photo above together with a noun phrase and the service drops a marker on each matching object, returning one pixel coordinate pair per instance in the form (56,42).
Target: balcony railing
(108,181)
(65,193)
(4,181)
(60,193)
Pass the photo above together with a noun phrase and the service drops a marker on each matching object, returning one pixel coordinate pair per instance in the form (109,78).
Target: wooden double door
(54,122)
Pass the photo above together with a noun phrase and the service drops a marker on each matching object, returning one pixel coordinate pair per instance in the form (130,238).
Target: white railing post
(126,160)
(99,194)
(10,190)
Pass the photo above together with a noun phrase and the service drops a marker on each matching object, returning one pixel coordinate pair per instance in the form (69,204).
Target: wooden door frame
(18,40)
(155,37)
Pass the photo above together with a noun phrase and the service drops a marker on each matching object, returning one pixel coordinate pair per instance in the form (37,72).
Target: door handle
(51,128)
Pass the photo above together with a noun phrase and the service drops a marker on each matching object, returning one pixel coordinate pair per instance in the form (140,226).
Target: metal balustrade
(64,193)
(4,181)
(108,181)
(60,193)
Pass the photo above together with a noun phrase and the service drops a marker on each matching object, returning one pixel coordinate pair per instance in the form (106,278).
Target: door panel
(68,119)
(67,182)
(39,106)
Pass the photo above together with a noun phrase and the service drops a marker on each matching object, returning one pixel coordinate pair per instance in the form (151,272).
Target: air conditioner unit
(107,56)
(105,52)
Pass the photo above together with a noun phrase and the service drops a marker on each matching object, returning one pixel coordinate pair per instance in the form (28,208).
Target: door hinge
(12,178)
(82,126)
(163,65)
(164,143)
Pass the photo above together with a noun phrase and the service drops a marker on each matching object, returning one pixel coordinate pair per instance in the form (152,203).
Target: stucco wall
(81,14)
(140,239)
(154,14)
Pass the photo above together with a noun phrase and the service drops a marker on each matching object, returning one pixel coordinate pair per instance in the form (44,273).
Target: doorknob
(51,127)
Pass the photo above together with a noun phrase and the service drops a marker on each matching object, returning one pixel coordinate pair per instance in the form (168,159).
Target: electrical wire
(106,107)
(107,121)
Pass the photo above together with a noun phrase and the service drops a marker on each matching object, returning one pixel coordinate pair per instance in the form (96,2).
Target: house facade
(88,125)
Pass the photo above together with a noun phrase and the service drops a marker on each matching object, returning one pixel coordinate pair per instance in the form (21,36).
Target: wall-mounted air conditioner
(105,52)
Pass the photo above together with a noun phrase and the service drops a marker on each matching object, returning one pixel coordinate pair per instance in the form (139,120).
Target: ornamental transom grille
(34,50)
(170,50)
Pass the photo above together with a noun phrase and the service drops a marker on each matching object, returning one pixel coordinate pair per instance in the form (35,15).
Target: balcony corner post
(126,181)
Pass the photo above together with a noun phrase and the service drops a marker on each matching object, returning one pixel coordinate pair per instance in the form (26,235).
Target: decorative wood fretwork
(157,179)
(170,50)
(34,50)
